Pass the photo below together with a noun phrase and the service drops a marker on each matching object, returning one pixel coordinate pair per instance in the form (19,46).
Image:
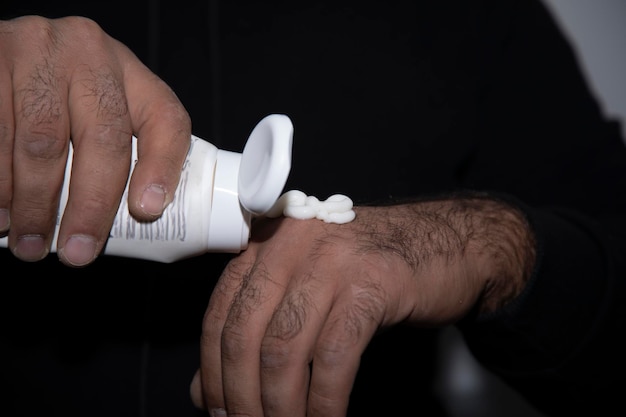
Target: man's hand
(65,79)
(290,317)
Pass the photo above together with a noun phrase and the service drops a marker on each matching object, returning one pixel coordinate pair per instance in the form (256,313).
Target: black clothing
(389,100)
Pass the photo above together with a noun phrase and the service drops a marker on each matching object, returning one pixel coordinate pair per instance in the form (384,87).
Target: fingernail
(218,412)
(30,248)
(195,391)
(5,221)
(153,200)
(79,250)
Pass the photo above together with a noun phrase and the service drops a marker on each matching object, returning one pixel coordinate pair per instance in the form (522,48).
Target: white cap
(249,183)
(265,163)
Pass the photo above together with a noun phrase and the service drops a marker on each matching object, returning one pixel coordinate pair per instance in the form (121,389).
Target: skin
(66,79)
(292,314)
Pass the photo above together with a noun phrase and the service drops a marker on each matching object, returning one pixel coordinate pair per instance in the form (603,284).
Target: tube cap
(265,163)
(249,183)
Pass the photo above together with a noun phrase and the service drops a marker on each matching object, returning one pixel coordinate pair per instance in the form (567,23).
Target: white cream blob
(335,209)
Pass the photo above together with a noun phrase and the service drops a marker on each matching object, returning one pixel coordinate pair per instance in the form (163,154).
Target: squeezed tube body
(183,228)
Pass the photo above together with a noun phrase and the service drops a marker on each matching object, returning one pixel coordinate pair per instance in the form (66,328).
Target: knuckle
(170,110)
(250,295)
(275,353)
(82,27)
(369,302)
(41,145)
(39,100)
(60,32)
(103,92)
(289,318)
(287,323)
(211,325)
(234,343)
(37,30)
(109,139)
(332,351)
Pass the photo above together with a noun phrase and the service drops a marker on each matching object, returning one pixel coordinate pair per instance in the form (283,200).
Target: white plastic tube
(207,214)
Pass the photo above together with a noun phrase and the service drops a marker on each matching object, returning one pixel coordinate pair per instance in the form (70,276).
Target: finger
(102,124)
(349,329)
(240,309)
(289,343)
(40,149)
(6,142)
(207,389)
(324,320)
(101,137)
(163,131)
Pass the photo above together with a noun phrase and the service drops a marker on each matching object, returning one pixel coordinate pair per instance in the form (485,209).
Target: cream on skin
(294,203)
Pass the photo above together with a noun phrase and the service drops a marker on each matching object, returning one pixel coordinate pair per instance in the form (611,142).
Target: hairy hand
(65,79)
(291,316)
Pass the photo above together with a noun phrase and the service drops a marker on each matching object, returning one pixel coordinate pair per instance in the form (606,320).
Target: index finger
(231,339)
(6,146)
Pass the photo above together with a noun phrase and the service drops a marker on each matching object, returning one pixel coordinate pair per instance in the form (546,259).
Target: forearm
(480,246)
(500,245)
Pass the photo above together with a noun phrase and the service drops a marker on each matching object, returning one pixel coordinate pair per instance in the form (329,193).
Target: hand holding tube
(51,92)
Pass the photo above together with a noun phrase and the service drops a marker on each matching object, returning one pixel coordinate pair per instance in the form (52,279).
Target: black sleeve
(560,343)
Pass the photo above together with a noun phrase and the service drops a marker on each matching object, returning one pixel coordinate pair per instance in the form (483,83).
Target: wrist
(501,248)
(480,248)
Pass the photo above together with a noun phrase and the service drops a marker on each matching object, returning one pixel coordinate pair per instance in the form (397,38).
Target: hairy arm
(469,240)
